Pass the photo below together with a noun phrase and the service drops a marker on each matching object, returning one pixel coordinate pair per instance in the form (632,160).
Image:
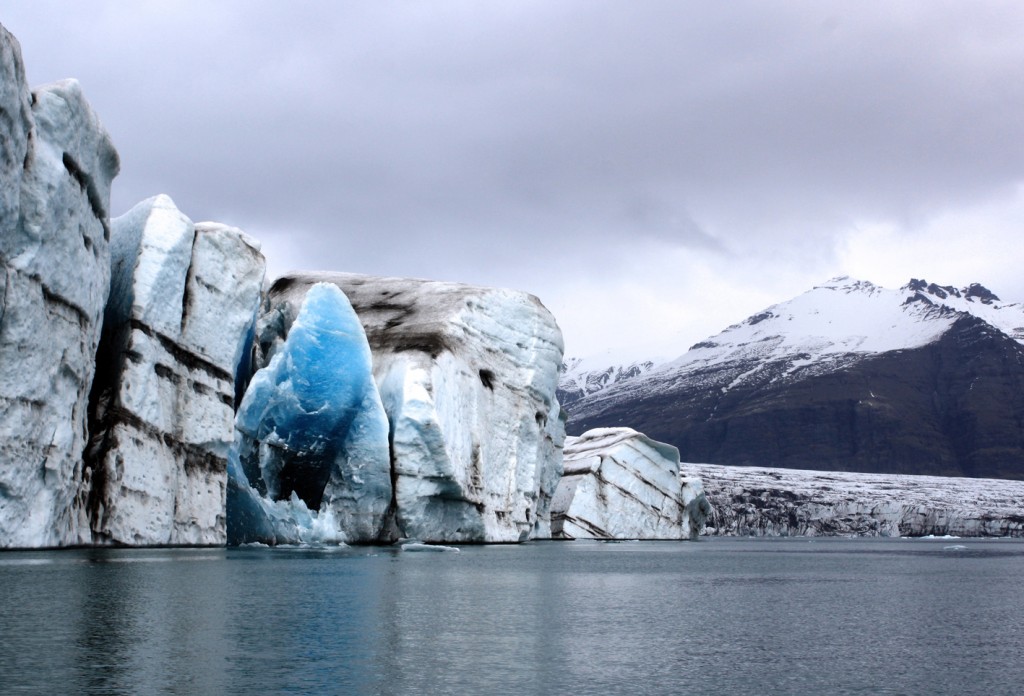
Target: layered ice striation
(620,484)
(467,377)
(312,446)
(182,303)
(56,166)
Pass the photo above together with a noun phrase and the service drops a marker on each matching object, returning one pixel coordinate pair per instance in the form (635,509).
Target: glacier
(312,435)
(620,484)
(766,501)
(466,376)
(182,302)
(56,166)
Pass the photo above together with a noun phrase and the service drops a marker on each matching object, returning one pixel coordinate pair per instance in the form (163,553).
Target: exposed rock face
(311,427)
(848,377)
(754,501)
(182,303)
(56,165)
(620,484)
(467,377)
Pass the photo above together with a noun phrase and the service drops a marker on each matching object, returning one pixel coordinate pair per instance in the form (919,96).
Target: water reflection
(726,616)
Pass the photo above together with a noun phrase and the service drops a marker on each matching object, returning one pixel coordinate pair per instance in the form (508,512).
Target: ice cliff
(56,165)
(466,377)
(182,302)
(620,484)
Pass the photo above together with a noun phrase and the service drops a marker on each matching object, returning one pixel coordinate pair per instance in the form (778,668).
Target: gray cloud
(490,142)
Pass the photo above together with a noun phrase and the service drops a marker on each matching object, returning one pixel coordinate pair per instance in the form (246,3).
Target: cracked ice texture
(467,378)
(311,425)
(56,167)
(182,303)
(620,484)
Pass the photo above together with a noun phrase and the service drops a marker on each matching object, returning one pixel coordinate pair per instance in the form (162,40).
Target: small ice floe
(955,547)
(416,545)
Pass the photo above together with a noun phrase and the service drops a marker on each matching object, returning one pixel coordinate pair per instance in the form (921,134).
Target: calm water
(717,616)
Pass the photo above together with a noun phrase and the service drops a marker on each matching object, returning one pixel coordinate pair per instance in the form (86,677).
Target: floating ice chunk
(419,546)
(620,484)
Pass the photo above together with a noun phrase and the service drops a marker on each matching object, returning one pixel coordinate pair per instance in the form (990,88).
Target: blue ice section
(311,433)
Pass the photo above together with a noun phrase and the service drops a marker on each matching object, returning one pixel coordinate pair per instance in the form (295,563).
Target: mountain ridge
(848,376)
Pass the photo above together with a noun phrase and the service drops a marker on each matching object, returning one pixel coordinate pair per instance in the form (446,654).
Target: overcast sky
(653,171)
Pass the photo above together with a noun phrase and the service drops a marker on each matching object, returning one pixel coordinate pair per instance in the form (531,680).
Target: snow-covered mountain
(579,377)
(848,376)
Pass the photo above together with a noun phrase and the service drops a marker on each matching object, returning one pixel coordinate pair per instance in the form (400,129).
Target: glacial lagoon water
(730,616)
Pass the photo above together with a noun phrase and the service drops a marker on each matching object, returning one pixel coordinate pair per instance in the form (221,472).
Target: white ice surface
(183,299)
(56,165)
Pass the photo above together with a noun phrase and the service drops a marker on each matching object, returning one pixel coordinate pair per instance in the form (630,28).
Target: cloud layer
(653,173)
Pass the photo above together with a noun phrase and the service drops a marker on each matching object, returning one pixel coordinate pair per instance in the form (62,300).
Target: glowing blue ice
(312,434)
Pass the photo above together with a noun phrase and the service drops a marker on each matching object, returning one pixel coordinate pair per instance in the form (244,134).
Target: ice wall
(312,433)
(467,379)
(56,165)
(182,302)
(620,484)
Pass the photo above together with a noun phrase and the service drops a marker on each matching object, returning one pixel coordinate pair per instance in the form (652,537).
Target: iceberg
(312,430)
(182,303)
(148,398)
(620,484)
(56,166)
(466,377)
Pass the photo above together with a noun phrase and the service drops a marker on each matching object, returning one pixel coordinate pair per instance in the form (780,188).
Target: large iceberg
(467,378)
(179,321)
(369,409)
(312,434)
(56,166)
(620,484)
